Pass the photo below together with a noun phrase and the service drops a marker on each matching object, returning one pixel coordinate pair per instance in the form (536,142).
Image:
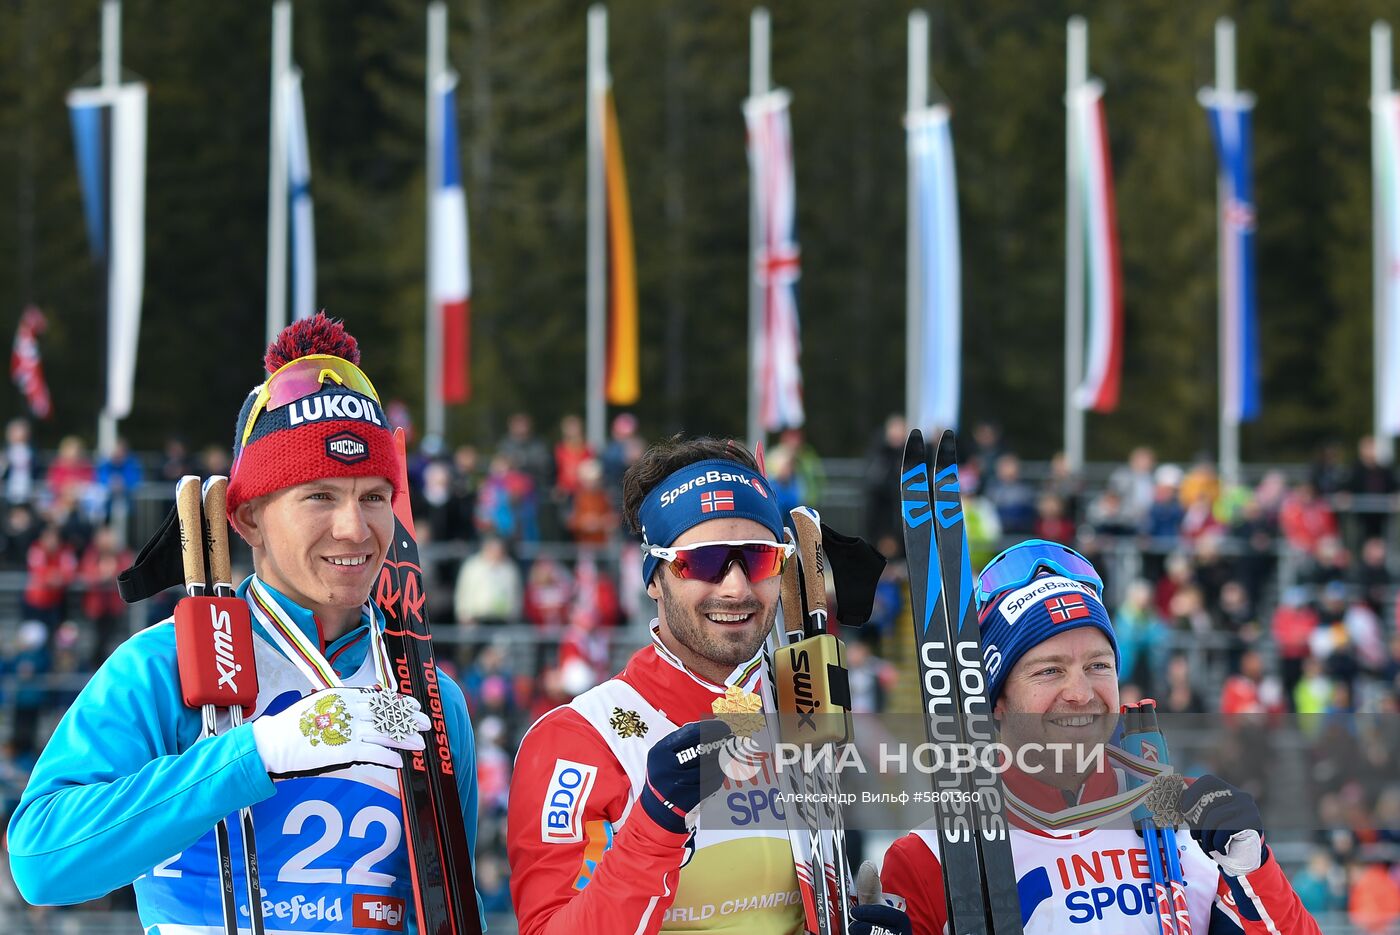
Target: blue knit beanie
(1015,622)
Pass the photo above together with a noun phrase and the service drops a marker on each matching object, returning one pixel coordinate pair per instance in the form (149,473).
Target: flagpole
(111,45)
(1076,74)
(277,171)
(433,415)
(916,103)
(1229,424)
(759,85)
(111,81)
(596,414)
(1381,85)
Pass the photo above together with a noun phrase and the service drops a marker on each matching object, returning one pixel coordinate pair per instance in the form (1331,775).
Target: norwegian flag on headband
(26,366)
(718,500)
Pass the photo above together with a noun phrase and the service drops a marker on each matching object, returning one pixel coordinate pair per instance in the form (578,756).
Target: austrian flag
(1065,609)
(720,500)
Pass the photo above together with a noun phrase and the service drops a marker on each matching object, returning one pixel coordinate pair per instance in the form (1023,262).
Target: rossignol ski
(969,805)
(444,891)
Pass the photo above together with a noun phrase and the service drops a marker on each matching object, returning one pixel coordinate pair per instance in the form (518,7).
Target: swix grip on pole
(214,646)
(814,694)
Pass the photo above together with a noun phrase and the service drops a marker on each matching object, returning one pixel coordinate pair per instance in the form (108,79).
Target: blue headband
(1020,620)
(699,492)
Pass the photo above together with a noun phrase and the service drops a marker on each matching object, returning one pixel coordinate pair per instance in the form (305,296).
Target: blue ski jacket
(123,785)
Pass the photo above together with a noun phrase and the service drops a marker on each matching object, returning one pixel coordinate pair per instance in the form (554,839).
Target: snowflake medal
(393,714)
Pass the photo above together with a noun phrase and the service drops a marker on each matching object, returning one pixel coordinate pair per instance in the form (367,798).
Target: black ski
(970,685)
(957,838)
(443,887)
(978,876)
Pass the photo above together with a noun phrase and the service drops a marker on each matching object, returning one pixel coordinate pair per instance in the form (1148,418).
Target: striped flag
(109,134)
(777,264)
(451,254)
(623,382)
(1103,362)
(26,365)
(1385,115)
(929,140)
(303,227)
(1230,128)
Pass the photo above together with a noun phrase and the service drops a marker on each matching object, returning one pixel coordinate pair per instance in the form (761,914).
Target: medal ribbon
(1099,812)
(288,638)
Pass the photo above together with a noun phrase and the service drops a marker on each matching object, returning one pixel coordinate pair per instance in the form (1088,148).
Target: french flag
(451,277)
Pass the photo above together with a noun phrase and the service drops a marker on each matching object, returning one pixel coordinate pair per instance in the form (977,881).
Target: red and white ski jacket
(585,859)
(1097,881)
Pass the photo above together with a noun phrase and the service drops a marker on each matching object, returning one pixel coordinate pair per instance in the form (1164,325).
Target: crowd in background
(1253,600)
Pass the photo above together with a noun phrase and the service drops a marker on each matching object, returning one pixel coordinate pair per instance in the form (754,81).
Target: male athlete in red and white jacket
(1050,657)
(1097,880)
(606,833)
(585,858)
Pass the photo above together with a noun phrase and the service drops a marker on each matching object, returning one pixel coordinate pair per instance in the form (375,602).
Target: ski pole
(834,699)
(1176,881)
(805,841)
(1132,726)
(199,622)
(1133,729)
(215,495)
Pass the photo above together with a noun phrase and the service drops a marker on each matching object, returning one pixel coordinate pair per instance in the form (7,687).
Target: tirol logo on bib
(379,912)
(347,448)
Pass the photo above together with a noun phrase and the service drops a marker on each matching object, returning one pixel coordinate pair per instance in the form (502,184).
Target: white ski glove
(336,727)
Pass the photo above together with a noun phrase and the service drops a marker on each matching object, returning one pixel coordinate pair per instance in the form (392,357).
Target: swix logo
(224,660)
(347,448)
(916,510)
(378,912)
(805,699)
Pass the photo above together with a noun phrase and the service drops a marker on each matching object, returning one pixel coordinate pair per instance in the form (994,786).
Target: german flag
(622,382)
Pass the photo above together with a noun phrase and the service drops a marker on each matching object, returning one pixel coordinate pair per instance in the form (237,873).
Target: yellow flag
(622,386)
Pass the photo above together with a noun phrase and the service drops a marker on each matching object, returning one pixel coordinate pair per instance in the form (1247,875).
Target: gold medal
(744,710)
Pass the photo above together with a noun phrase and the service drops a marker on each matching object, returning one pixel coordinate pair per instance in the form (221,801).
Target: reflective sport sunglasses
(303,377)
(710,561)
(1019,564)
